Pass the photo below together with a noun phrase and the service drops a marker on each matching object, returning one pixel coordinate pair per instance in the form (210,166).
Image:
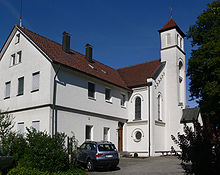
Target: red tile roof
(137,75)
(74,59)
(125,77)
(170,25)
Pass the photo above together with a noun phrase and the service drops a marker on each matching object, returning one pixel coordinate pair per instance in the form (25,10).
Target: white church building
(53,88)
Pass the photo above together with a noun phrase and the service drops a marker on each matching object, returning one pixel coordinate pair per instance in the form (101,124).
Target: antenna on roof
(171,14)
(21,14)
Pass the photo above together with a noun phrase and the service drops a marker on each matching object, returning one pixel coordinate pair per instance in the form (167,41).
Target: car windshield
(106,147)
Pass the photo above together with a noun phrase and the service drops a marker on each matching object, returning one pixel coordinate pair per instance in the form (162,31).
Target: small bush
(33,171)
(14,145)
(45,153)
(135,154)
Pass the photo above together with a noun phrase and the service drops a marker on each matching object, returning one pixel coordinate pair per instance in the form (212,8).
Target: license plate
(109,155)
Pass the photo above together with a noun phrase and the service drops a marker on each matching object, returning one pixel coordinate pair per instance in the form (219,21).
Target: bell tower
(172,52)
(171,36)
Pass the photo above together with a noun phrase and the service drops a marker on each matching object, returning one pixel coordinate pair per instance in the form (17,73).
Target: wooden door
(120,139)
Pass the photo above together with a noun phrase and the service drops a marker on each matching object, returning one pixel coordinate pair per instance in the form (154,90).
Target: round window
(138,135)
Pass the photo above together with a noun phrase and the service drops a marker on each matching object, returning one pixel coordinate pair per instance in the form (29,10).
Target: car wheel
(113,167)
(89,165)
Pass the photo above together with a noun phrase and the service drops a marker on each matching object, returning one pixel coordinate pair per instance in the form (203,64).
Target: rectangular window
(35,81)
(181,40)
(13,62)
(122,100)
(107,94)
(7,89)
(21,128)
(36,125)
(177,40)
(19,57)
(88,132)
(159,107)
(21,86)
(106,134)
(168,39)
(91,90)
(17,38)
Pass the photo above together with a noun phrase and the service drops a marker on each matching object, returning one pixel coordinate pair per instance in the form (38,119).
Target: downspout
(54,95)
(149,83)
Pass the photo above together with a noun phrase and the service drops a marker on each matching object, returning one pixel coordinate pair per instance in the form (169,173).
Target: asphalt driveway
(151,166)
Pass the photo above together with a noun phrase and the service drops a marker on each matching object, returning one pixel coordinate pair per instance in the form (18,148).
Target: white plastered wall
(132,126)
(159,127)
(28,116)
(69,121)
(31,61)
(72,92)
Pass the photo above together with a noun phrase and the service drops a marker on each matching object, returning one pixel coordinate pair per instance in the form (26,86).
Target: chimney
(66,42)
(89,52)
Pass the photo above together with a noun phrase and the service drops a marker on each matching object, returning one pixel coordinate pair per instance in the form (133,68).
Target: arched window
(159,107)
(138,108)
(180,65)
(180,83)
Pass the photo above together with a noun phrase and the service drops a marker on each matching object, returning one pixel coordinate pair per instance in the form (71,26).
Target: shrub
(45,152)
(199,149)
(33,171)
(38,152)
(135,154)
(14,145)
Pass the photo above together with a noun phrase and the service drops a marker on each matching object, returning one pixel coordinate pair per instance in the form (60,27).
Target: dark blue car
(97,154)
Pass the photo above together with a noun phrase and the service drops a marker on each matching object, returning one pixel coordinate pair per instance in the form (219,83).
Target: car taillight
(98,155)
(116,154)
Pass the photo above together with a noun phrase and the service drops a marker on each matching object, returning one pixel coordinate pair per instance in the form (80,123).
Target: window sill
(6,98)
(108,101)
(135,120)
(92,98)
(15,64)
(34,90)
(159,123)
(20,94)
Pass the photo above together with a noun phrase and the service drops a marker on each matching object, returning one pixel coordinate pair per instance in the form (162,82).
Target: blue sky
(122,32)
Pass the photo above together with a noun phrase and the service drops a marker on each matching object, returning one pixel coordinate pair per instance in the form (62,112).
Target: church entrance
(120,137)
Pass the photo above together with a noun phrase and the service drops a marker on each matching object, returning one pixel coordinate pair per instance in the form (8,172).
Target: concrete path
(166,165)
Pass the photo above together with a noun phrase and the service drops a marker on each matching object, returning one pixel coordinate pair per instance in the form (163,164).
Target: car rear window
(106,147)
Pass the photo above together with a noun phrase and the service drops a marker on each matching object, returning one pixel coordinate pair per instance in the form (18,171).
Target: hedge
(33,171)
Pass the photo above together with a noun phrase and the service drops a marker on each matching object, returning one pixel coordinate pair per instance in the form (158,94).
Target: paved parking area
(166,165)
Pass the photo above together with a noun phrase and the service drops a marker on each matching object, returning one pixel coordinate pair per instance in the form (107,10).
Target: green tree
(6,125)
(204,64)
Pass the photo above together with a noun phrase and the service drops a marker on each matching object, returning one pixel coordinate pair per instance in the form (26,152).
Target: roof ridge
(137,64)
(61,45)
(38,34)
(48,39)
(99,65)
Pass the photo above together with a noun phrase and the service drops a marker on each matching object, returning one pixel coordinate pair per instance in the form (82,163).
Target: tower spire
(171,13)
(21,14)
